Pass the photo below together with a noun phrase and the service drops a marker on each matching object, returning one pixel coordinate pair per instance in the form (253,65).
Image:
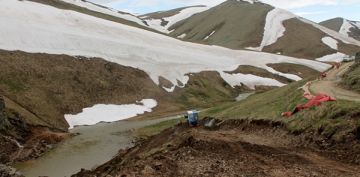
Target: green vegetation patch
(351,79)
(156,128)
(333,120)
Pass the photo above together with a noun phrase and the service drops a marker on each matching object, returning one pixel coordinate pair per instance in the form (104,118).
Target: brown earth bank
(236,148)
(20,141)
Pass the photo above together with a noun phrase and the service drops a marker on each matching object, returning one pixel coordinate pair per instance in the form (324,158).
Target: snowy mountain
(72,33)
(258,26)
(346,27)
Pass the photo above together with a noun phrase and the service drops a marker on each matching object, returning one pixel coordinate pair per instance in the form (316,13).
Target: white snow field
(347,25)
(274,28)
(34,27)
(331,42)
(183,14)
(105,10)
(109,113)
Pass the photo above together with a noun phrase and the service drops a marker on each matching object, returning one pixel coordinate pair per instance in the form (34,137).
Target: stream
(243,96)
(94,146)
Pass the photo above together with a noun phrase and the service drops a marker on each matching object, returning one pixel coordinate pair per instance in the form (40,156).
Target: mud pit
(234,149)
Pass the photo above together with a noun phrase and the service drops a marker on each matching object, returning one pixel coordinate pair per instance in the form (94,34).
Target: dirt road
(330,86)
(235,149)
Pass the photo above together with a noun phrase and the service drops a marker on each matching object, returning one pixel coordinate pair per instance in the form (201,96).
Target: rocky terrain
(232,148)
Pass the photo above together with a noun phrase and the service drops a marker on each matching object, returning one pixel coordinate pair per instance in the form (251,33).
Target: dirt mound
(232,148)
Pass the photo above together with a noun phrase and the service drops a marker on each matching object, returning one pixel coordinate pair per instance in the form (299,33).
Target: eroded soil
(235,148)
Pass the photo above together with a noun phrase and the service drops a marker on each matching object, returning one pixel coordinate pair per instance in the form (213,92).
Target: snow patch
(105,10)
(274,28)
(182,36)
(207,37)
(336,57)
(171,89)
(183,14)
(331,42)
(249,80)
(249,1)
(67,32)
(109,113)
(345,28)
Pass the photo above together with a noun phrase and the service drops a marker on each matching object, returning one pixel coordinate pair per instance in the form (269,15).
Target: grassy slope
(333,119)
(351,78)
(334,24)
(228,20)
(240,25)
(43,87)
(205,89)
(156,128)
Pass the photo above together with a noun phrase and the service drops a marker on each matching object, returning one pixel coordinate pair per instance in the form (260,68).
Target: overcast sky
(316,10)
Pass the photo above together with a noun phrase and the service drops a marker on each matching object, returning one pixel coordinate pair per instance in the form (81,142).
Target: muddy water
(243,96)
(94,146)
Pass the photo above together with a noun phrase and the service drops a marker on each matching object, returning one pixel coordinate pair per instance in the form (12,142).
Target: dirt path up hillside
(330,86)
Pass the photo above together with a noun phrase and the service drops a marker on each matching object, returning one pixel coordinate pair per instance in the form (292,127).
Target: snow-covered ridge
(110,113)
(183,14)
(105,10)
(67,32)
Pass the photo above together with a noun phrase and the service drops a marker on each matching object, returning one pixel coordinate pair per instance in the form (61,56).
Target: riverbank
(93,146)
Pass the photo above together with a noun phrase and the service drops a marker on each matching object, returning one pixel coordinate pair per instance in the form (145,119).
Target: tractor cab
(192,117)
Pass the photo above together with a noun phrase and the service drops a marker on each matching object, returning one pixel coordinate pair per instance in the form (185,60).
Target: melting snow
(207,37)
(183,14)
(249,1)
(72,33)
(249,80)
(182,36)
(274,28)
(331,42)
(109,113)
(336,57)
(105,10)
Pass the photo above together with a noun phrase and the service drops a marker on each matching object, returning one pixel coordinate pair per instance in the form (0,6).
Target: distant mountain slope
(257,26)
(66,32)
(163,20)
(344,26)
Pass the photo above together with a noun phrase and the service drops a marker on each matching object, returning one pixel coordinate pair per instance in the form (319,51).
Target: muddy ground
(234,148)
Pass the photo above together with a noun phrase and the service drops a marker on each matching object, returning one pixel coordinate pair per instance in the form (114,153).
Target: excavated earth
(235,148)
